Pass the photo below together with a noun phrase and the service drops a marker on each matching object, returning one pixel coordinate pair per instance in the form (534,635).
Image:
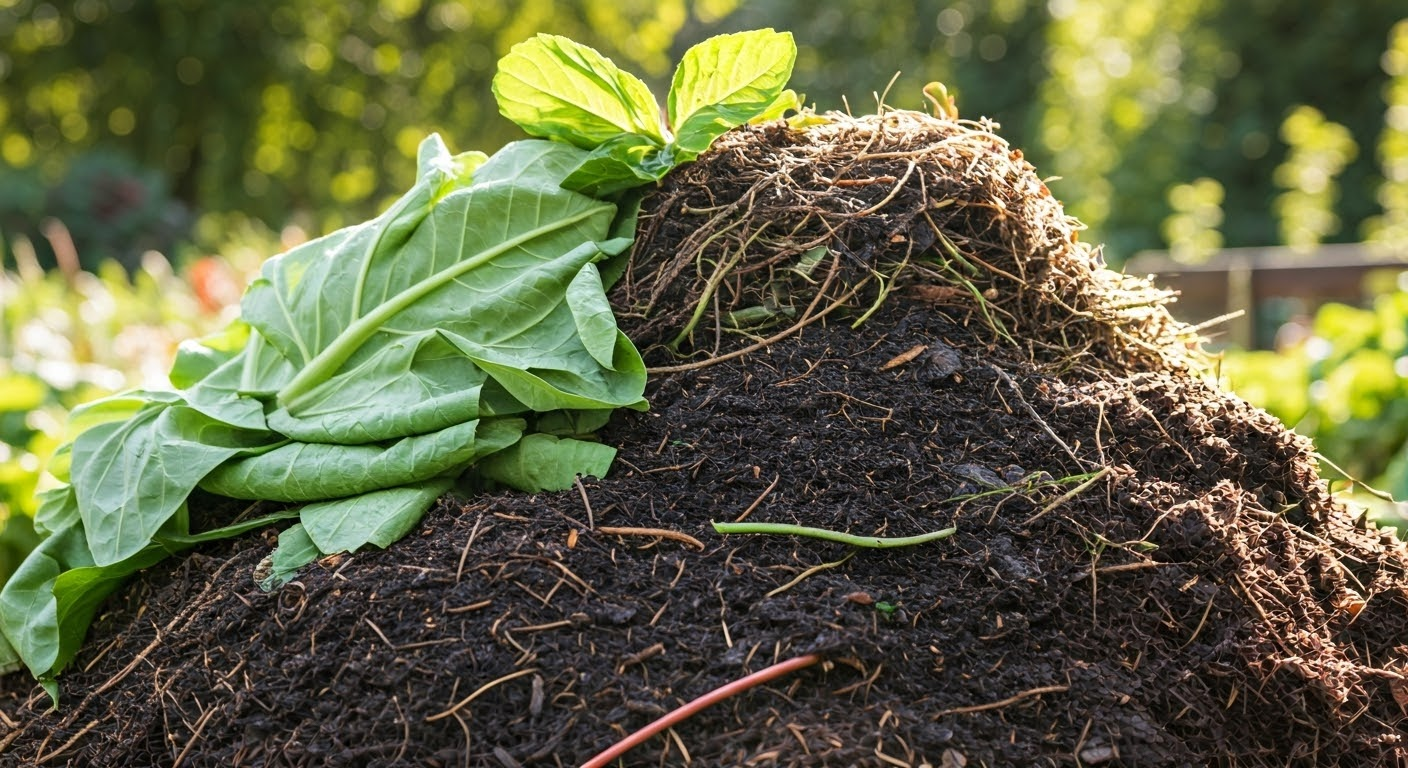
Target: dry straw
(775,229)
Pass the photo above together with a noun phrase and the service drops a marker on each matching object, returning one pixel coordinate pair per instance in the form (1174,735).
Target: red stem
(689,710)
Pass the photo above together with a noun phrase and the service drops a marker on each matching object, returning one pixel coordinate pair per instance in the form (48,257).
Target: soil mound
(884,326)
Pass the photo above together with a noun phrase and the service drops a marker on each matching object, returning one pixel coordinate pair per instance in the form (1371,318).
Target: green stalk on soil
(873,542)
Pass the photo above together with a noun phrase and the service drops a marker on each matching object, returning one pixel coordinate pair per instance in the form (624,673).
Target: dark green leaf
(29,614)
(625,162)
(572,423)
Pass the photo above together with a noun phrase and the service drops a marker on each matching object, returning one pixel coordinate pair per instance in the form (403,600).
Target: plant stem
(874,542)
(692,708)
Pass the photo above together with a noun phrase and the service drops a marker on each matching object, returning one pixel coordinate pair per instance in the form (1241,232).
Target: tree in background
(1390,229)
(1318,151)
(315,106)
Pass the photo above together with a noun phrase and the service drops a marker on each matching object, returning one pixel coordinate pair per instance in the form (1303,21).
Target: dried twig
(657,532)
(1000,704)
(758,500)
(480,691)
(1067,496)
(1021,398)
(815,569)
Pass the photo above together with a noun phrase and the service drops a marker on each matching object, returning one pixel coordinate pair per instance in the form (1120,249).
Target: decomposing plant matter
(776,227)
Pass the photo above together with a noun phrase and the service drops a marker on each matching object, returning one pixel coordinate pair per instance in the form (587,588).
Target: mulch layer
(1146,572)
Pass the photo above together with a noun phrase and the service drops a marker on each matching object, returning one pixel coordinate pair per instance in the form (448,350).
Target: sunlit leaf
(556,88)
(726,81)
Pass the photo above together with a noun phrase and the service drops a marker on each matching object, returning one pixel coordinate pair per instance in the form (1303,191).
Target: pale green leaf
(787,101)
(198,358)
(380,517)
(546,463)
(298,472)
(541,381)
(129,477)
(556,88)
(724,82)
(119,407)
(304,298)
(57,510)
(430,380)
(488,267)
(219,397)
(433,160)
(295,550)
(596,325)
(29,613)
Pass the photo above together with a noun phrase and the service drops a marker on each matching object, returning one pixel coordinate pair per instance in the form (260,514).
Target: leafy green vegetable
(460,298)
(370,368)
(464,332)
(130,476)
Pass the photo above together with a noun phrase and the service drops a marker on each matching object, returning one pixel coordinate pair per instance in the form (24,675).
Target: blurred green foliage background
(312,109)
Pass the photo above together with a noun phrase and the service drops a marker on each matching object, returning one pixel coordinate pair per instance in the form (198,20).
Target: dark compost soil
(1146,571)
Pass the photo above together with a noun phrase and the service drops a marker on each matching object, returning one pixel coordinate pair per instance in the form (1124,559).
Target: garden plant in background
(1344,384)
(69,336)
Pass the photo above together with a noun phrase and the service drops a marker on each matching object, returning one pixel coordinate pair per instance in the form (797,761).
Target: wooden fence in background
(1270,286)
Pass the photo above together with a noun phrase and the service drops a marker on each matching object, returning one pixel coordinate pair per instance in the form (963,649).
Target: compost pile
(886,326)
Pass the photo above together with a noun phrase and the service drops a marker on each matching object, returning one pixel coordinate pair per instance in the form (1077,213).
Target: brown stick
(480,691)
(1003,703)
(660,532)
(758,500)
(67,744)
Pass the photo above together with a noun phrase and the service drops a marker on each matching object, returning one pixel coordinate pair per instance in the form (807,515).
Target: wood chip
(904,357)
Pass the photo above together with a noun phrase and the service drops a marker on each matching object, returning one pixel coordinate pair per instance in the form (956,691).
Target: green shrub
(1345,385)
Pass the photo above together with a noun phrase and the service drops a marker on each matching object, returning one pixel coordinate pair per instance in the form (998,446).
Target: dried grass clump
(774,229)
